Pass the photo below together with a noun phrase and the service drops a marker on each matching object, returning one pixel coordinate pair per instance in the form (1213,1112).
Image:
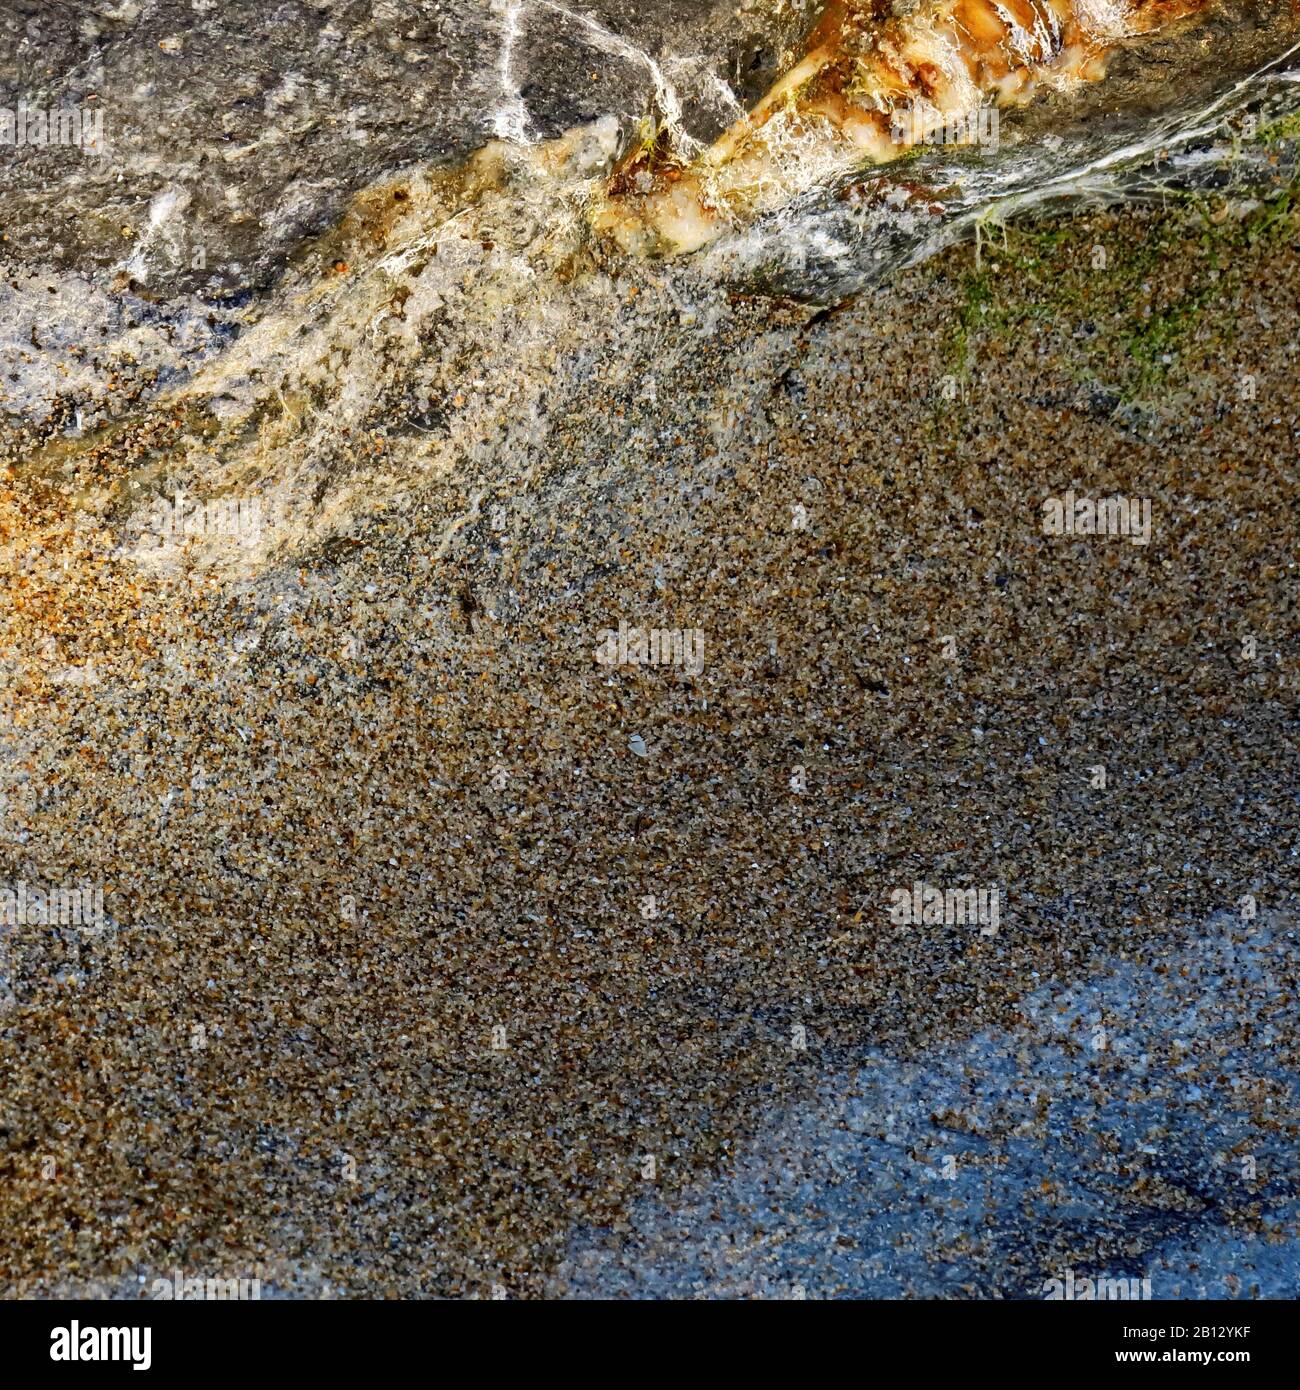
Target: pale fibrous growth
(877,78)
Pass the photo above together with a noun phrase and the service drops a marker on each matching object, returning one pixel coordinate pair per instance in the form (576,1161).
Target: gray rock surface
(238,128)
(442,952)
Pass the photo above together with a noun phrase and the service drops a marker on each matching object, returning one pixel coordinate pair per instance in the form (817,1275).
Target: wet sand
(365,798)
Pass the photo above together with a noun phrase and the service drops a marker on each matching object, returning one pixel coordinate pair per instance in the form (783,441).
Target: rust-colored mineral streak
(872,83)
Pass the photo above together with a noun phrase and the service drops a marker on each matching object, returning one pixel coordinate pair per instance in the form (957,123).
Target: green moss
(1284,128)
(1133,304)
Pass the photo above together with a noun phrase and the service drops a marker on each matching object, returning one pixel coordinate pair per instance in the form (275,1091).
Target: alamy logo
(77,1343)
(1103,1288)
(234,518)
(82,126)
(636,646)
(925,125)
(197,1289)
(924,904)
(1106,516)
(60,673)
(58,906)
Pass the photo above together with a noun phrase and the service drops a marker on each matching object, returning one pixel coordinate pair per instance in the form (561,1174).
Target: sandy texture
(359,803)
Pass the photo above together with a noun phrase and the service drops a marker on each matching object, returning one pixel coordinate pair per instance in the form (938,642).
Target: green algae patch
(1284,129)
(1131,314)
